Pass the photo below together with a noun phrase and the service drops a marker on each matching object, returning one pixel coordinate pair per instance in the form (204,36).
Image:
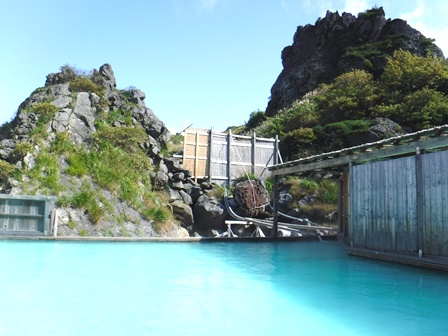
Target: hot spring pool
(225,288)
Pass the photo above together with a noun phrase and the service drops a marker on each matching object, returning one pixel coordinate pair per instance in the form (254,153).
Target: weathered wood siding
(225,157)
(344,204)
(383,205)
(400,205)
(29,214)
(435,203)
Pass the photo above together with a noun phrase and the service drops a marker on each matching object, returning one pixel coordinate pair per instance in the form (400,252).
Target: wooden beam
(302,165)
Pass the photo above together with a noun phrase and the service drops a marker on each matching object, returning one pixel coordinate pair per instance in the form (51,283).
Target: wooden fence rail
(224,157)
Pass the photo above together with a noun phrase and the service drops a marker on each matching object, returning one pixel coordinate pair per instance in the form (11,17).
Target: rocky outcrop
(337,44)
(75,112)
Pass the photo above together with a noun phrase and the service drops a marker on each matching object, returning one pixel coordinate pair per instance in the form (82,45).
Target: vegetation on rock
(112,157)
(412,91)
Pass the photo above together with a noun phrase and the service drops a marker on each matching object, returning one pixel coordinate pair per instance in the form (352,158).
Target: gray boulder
(183,213)
(108,77)
(209,213)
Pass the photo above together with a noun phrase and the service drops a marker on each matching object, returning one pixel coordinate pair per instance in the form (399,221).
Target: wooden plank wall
(225,157)
(383,205)
(196,151)
(344,204)
(435,203)
(401,205)
(24,214)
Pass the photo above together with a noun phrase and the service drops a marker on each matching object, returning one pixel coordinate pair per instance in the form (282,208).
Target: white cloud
(355,6)
(208,5)
(428,21)
(416,15)
(306,4)
(325,6)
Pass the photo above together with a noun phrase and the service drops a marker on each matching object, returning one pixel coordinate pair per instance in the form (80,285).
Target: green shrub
(255,119)
(6,170)
(328,191)
(68,73)
(84,84)
(374,11)
(405,73)
(21,150)
(300,114)
(295,141)
(422,109)
(350,96)
(338,135)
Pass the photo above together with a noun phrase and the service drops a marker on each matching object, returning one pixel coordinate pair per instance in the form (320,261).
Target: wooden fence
(21,214)
(224,157)
(401,205)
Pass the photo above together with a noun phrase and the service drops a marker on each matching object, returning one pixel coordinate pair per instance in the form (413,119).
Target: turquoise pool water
(301,288)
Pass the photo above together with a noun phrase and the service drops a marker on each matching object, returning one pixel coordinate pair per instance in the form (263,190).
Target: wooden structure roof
(428,140)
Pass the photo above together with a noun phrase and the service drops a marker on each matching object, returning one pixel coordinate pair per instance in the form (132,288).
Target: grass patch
(62,144)
(325,190)
(318,211)
(46,173)
(71,224)
(125,233)
(45,112)
(21,150)
(6,170)
(83,233)
(87,199)
(84,84)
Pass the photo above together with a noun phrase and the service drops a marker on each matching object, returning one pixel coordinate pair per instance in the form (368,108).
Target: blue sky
(209,63)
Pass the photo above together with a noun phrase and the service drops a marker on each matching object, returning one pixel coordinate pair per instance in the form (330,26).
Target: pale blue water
(300,288)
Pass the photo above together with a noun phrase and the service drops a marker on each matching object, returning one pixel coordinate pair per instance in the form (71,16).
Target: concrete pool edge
(163,239)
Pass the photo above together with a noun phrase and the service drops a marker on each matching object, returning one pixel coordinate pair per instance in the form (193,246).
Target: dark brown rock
(337,44)
(251,197)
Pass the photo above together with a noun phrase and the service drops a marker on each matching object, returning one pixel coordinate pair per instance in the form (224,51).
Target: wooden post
(184,154)
(55,224)
(275,192)
(196,157)
(341,203)
(254,144)
(350,210)
(210,154)
(420,201)
(229,149)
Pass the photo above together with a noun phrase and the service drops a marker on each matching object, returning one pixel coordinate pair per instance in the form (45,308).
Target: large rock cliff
(337,44)
(54,147)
